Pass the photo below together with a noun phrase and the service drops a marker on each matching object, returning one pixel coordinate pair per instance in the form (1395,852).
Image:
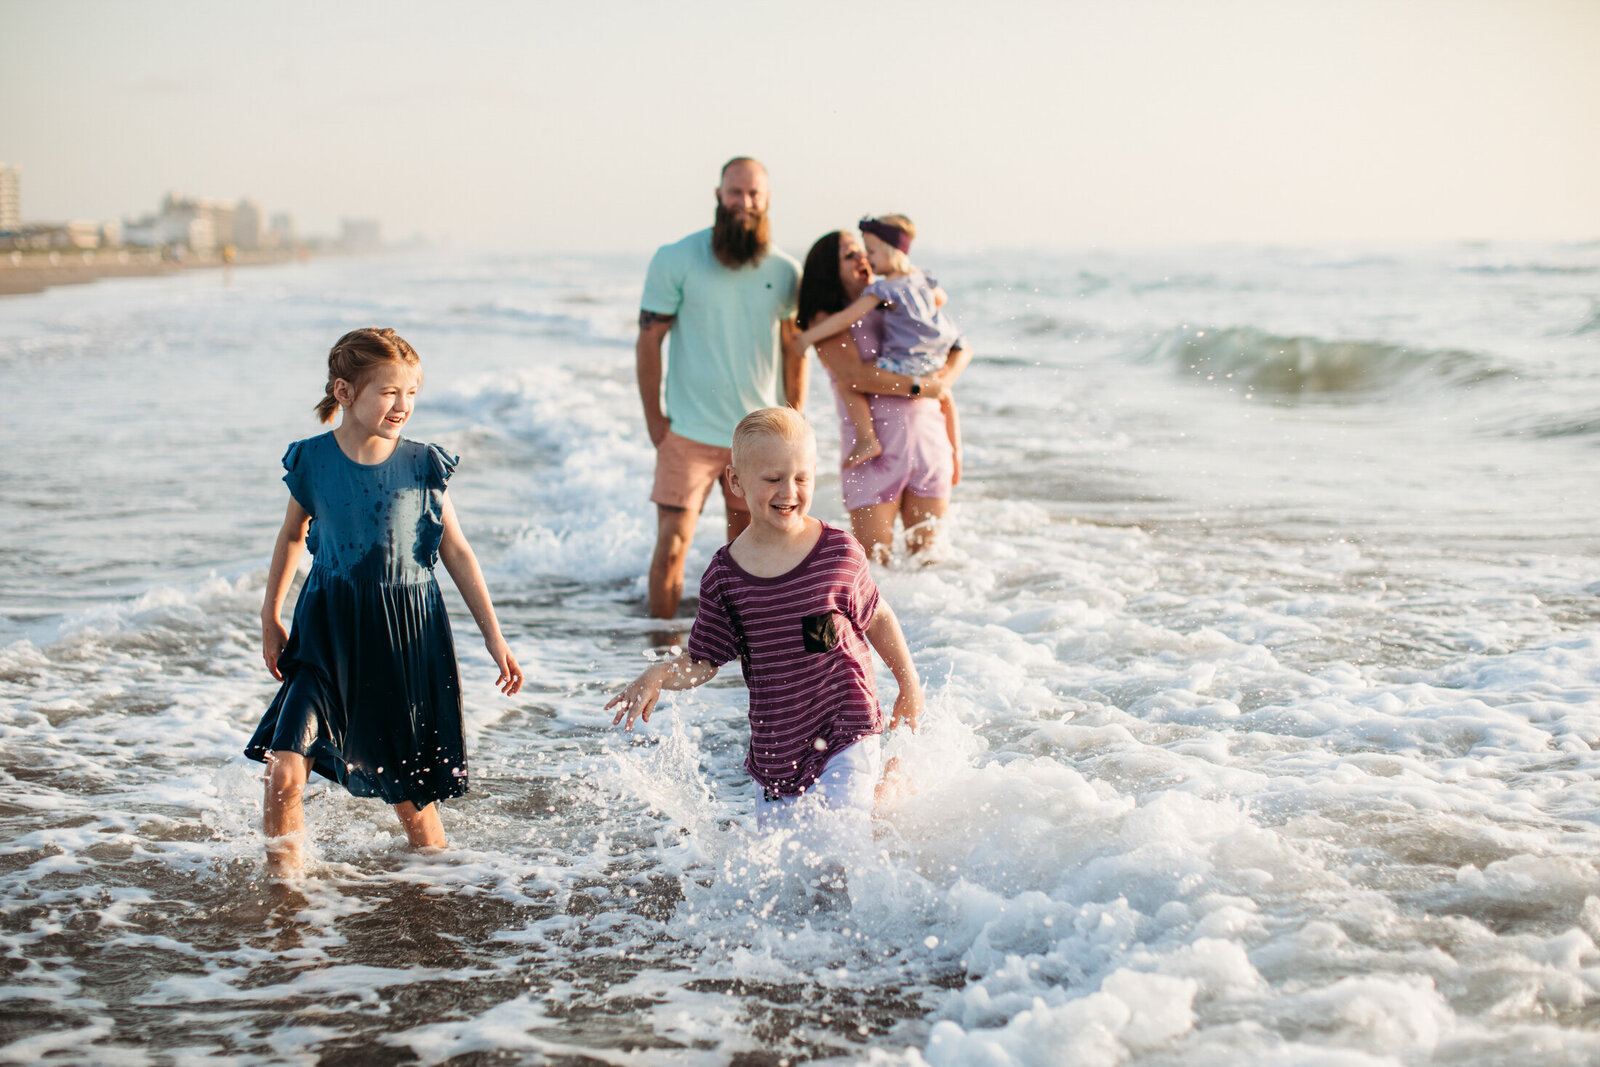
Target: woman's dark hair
(821,289)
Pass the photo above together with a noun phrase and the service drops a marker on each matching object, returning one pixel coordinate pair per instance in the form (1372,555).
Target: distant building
(143,233)
(200,235)
(198,223)
(203,224)
(80,234)
(183,221)
(280,231)
(27,238)
(175,208)
(221,214)
(247,226)
(360,235)
(10,197)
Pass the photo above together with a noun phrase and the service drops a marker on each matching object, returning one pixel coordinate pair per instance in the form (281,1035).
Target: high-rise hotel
(10,197)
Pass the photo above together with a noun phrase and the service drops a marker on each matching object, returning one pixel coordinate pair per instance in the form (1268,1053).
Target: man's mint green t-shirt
(724,353)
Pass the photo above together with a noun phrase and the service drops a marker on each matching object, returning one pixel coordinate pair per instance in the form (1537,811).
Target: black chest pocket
(820,632)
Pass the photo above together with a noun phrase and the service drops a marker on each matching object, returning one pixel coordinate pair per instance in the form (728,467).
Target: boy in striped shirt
(793,599)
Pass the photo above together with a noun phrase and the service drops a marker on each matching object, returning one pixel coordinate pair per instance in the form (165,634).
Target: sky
(992,123)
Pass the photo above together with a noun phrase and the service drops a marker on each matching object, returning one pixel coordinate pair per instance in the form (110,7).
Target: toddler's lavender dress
(916,456)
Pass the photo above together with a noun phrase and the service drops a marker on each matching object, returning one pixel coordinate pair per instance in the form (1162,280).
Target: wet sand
(37,273)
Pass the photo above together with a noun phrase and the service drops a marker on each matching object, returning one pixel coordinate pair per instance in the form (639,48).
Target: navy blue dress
(370,691)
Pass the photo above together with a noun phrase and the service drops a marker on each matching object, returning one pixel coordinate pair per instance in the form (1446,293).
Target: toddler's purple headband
(887,232)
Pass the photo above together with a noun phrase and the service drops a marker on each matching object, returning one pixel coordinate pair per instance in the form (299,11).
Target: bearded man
(726,298)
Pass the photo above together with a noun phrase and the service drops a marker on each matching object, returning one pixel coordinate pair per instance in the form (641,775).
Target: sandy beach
(36,272)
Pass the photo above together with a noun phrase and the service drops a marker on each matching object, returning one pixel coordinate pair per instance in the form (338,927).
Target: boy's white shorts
(838,805)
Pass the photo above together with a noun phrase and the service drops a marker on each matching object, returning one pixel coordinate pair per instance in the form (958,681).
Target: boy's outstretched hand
(638,700)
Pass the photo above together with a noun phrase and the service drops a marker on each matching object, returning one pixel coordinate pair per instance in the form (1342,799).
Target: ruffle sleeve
(297,476)
(441,465)
(437,466)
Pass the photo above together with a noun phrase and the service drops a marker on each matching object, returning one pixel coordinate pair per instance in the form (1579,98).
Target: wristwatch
(916,387)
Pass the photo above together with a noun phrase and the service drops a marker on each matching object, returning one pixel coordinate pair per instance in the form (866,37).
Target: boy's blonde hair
(898,259)
(784,423)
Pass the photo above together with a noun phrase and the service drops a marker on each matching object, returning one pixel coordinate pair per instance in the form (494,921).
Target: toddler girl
(918,335)
(370,696)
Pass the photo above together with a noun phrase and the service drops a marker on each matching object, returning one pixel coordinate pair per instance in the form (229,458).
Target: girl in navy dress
(370,696)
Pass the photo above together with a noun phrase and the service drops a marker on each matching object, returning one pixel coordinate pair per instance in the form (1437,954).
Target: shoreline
(36,273)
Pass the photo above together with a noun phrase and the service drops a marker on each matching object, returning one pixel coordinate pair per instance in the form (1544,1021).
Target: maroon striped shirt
(807,701)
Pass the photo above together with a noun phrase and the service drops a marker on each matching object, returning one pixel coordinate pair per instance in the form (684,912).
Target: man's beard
(735,242)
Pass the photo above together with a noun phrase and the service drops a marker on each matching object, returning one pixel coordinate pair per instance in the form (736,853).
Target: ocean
(1260,650)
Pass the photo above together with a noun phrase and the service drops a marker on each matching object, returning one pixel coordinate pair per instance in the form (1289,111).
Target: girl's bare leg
(952,430)
(873,526)
(423,826)
(867,445)
(922,516)
(283,813)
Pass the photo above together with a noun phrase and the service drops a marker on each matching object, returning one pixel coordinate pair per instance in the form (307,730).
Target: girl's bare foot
(422,826)
(864,450)
(284,856)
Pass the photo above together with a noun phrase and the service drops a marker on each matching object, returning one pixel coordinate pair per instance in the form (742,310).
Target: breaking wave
(1275,363)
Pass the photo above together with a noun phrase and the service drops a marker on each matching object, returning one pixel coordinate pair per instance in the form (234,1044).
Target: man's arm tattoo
(648,319)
